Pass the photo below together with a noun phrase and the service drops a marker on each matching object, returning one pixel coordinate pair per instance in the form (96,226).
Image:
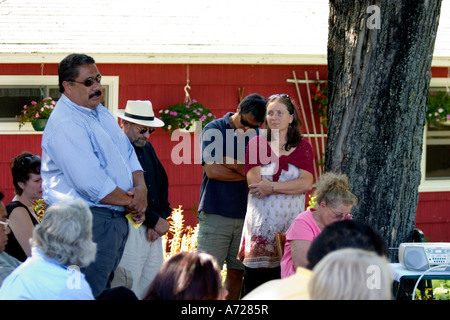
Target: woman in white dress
(279,169)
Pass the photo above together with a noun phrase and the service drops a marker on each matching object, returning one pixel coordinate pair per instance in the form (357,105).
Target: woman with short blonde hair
(351,274)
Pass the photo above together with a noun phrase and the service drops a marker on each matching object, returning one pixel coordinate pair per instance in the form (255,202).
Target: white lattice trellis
(317,136)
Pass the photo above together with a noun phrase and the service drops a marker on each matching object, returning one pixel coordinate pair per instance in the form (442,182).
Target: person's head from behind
(188,276)
(79,79)
(26,174)
(351,274)
(252,111)
(281,111)
(345,234)
(65,233)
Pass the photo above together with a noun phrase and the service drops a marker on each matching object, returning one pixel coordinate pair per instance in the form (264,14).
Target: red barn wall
(216,87)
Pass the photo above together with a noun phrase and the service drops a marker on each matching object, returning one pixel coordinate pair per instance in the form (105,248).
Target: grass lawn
(439,291)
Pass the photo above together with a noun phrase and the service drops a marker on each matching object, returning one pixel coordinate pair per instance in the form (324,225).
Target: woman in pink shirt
(334,202)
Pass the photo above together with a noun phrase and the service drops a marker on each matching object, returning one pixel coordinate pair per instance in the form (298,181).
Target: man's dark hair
(254,104)
(345,234)
(68,67)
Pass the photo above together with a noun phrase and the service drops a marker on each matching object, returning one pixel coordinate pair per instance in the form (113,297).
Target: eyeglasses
(246,124)
(150,130)
(338,216)
(28,159)
(89,81)
(5,223)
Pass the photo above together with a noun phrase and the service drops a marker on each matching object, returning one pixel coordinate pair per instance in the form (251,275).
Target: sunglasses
(282,95)
(28,159)
(89,81)
(150,130)
(248,125)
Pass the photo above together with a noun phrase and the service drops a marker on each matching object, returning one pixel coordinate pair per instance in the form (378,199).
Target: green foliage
(320,95)
(438,107)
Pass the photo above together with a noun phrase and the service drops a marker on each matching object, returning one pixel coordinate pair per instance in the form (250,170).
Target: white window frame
(12,127)
(432,185)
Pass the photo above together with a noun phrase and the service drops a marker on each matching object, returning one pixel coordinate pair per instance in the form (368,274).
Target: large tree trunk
(378,76)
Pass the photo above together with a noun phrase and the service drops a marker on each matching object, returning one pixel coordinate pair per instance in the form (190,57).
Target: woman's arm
(297,186)
(299,250)
(263,187)
(22,227)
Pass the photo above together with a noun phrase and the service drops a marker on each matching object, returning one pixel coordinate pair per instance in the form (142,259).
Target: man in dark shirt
(143,253)
(223,192)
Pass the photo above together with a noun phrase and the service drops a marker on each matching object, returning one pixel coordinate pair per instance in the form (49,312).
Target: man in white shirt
(86,155)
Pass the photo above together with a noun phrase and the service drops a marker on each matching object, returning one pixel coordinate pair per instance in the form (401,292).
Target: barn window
(436,149)
(16,91)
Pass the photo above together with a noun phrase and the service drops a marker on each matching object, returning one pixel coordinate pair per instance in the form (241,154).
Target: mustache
(95,94)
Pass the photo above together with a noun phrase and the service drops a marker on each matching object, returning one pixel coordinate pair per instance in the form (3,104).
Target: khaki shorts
(221,236)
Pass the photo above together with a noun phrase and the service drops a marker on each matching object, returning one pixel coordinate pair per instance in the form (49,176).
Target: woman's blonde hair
(351,274)
(333,189)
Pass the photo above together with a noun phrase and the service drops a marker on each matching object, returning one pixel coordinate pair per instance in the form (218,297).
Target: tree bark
(378,79)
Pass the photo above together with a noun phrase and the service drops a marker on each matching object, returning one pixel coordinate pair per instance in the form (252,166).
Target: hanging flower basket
(39,124)
(184,115)
(37,113)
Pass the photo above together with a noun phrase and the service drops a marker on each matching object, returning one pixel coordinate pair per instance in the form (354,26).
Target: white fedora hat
(140,112)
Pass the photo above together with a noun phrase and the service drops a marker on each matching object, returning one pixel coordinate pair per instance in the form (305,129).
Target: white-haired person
(351,274)
(61,245)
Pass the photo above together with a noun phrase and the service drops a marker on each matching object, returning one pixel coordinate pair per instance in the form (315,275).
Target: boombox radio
(423,255)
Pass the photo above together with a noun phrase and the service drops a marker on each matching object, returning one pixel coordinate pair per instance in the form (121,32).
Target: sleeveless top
(13,246)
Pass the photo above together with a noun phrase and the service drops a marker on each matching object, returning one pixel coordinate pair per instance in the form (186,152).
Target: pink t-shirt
(304,227)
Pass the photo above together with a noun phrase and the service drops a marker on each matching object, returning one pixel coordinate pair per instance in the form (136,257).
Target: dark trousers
(109,232)
(254,277)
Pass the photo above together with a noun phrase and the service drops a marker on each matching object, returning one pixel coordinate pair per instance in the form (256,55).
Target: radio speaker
(414,258)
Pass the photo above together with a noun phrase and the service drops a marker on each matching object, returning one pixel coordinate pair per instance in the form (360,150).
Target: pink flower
(25,106)
(37,115)
(187,116)
(33,102)
(448,117)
